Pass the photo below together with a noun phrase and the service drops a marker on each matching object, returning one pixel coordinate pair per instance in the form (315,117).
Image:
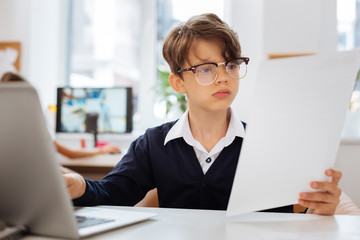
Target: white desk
(179,224)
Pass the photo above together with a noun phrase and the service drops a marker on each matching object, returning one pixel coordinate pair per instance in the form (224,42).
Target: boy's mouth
(222,93)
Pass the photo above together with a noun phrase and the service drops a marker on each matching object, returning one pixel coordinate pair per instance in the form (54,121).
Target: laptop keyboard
(89,221)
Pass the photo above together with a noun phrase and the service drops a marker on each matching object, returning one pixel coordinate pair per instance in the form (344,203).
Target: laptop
(32,189)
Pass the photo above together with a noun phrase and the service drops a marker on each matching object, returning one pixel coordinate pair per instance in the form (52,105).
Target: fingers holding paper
(326,199)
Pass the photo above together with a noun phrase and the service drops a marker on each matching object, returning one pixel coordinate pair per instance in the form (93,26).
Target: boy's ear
(177,83)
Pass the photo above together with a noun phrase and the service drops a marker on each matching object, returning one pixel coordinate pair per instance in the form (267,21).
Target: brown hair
(206,26)
(11,77)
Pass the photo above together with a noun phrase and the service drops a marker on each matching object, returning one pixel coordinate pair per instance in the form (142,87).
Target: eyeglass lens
(207,73)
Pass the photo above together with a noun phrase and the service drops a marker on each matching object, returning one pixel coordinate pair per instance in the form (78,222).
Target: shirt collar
(181,129)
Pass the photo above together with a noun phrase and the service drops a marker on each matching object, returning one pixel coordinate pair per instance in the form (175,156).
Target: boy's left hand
(324,201)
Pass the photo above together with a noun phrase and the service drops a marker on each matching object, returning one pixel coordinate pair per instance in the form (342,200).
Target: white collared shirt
(205,158)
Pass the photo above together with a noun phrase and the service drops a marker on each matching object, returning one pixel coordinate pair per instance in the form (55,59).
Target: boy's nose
(222,75)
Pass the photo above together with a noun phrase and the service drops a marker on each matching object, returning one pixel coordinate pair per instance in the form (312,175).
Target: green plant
(167,94)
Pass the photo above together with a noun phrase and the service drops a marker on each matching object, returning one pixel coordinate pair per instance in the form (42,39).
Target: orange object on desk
(82,143)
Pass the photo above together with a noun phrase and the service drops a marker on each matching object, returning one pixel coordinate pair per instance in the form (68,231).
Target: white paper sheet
(294,129)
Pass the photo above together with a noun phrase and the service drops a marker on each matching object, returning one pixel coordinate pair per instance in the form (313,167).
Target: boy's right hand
(76,184)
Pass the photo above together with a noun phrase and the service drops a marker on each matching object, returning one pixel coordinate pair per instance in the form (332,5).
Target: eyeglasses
(206,73)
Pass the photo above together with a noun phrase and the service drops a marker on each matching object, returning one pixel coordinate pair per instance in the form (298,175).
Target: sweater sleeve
(127,183)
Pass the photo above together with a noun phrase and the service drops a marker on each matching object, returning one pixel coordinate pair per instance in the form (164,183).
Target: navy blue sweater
(173,169)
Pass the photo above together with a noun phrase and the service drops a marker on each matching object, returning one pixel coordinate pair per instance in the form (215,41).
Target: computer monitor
(94,110)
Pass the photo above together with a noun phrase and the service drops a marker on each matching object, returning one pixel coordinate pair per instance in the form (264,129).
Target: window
(107,46)
(171,13)
(104,44)
(348,14)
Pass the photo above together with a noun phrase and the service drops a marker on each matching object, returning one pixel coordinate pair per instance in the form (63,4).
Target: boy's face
(220,94)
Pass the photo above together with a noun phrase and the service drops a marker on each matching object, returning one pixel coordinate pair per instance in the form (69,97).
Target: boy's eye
(232,66)
(204,69)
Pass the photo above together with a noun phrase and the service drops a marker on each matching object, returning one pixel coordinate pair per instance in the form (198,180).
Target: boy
(192,161)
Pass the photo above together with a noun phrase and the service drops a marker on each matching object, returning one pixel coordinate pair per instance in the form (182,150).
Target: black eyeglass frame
(193,68)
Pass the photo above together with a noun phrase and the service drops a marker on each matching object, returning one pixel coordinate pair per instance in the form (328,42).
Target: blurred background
(117,43)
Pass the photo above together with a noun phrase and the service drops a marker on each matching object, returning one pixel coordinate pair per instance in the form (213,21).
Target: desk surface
(98,161)
(95,167)
(210,225)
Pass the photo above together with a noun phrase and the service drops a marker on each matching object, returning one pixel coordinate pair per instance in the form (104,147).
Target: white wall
(47,47)
(307,26)
(348,161)
(279,26)
(14,16)
(348,157)
(40,27)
